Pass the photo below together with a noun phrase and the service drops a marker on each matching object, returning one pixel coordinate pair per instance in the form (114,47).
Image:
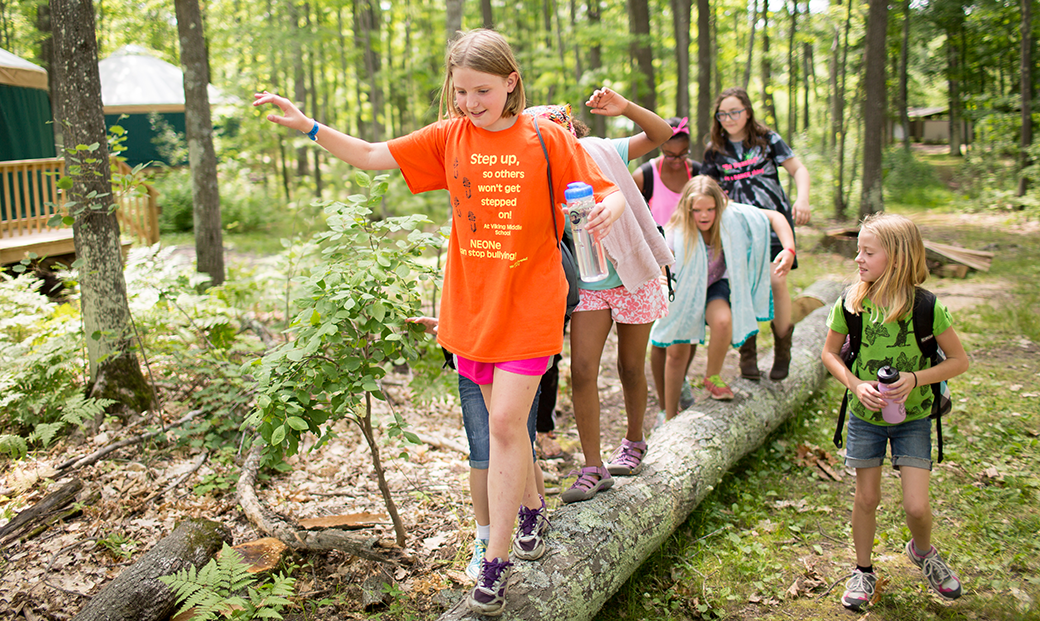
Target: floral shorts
(648,304)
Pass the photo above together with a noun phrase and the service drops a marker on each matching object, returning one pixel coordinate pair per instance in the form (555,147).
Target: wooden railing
(29,198)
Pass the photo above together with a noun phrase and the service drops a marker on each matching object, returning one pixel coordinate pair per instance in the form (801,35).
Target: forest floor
(53,574)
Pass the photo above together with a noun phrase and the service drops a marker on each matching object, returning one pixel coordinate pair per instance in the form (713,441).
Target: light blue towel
(745,240)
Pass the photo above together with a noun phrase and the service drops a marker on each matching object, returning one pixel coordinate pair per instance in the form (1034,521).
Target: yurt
(25,110)
(150,91)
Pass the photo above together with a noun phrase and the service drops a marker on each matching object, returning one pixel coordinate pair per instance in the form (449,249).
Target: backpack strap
(648,180)
(854,322)
(924,333)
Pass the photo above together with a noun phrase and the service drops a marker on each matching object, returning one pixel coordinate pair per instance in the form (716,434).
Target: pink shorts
(483,373)
(646,305)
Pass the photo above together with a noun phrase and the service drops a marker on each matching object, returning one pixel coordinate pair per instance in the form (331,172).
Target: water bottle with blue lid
(592,261)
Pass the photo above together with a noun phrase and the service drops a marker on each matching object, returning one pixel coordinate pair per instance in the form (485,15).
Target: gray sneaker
(939,575)
(859,590)
(529,539)
(685,396)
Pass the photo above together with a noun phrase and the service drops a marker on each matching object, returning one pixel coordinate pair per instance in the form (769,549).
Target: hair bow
(681,128)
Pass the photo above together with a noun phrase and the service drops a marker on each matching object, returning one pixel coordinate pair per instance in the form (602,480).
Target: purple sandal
(590,481)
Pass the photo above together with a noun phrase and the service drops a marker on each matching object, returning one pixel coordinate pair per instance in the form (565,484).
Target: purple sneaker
(939,575)
(489,596)
(627,459)
(529,540)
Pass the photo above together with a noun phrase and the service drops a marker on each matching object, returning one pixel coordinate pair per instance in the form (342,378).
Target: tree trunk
(644,86)
(874,59)
(792,76)
(299,81)
(205,192)
(704,66)
(1026,85)
(751,44)
(904,115)
(372,52)
(954,68)
(594,546)
(769,115)
(839,118)
(809,65)
(681,21)
(137,594)
(453,18)
(599,122)
(486,14)
(114,370)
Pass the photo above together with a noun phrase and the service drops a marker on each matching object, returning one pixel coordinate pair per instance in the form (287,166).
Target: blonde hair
(488,52)
(893,291)
(698,187)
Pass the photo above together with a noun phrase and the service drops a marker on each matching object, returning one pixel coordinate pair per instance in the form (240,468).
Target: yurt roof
(20,72)
(134,81)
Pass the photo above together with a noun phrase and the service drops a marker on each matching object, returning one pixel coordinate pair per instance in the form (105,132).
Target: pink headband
(681,128)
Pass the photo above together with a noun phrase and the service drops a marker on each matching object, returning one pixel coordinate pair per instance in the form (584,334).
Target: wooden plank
(953,253)
(982,254)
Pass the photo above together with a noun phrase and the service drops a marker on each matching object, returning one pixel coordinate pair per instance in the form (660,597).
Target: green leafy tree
(349,328)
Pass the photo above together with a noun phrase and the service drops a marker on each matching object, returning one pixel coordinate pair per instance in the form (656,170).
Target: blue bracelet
(313,134)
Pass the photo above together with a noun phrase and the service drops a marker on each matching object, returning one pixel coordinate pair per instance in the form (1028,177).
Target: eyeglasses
(722,116)
(676,156)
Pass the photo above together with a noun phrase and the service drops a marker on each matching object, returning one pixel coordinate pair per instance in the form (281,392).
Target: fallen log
(137,594)
(52,502)
(594,546)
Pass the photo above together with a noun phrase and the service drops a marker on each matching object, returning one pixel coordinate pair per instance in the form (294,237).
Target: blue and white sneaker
(479,548)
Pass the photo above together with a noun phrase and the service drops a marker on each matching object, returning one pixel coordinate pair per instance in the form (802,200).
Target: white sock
(484,531)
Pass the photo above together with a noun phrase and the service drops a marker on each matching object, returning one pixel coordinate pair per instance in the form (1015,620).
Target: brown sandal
(548,447)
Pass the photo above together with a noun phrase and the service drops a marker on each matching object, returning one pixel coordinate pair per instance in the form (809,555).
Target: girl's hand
(802,211)
(429,323)
(291,115)
(606,102)
(783,262)
(869,395)
(600,221)
(899,390)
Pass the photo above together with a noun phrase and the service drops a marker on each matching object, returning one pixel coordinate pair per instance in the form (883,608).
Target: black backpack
(923,318)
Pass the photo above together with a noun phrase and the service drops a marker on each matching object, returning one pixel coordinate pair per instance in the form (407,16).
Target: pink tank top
(663,201)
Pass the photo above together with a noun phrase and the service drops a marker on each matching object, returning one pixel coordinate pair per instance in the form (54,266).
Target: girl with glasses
(745,156)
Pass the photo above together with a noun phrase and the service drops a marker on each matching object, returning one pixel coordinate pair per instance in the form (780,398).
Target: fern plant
(224,587)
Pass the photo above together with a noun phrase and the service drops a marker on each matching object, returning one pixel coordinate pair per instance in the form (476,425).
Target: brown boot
(749,359)
(781,353)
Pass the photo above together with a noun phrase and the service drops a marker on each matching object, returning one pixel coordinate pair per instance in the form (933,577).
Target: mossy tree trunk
(114,369)
(594,546)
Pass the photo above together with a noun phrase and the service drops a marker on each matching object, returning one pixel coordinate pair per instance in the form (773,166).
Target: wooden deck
(29,197)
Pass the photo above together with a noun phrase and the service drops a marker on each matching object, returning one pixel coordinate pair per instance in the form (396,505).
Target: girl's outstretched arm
(802,211)
(656,131)
(354,151)
(866,392)
(785,260)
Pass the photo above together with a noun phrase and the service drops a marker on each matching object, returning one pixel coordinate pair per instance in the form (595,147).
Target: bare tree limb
(289,532)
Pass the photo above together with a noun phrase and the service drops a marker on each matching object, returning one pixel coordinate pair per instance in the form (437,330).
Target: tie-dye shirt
(751,176)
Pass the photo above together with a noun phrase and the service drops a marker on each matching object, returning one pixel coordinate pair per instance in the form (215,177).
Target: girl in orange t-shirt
(504,290)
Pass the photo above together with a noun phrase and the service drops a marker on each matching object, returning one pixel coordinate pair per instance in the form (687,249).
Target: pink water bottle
(892,412)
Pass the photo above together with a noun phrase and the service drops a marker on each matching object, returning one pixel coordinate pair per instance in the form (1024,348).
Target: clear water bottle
(893,412)
(592,261)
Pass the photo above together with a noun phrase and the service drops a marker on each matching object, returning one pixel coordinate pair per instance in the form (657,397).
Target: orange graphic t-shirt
(504,288)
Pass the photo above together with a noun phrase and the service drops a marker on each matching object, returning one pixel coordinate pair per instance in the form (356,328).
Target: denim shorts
(718,290)
(475,420)
(867,443)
